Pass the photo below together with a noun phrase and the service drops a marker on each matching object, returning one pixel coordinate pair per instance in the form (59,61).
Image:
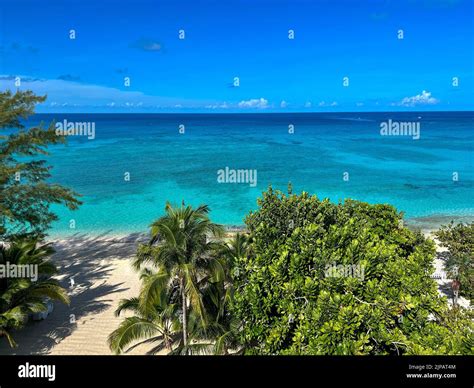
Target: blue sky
(244,39)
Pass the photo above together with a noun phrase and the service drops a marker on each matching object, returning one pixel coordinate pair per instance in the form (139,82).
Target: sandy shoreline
(425,224)
(102,274)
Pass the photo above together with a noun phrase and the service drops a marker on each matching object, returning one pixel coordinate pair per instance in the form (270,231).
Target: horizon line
(257,113)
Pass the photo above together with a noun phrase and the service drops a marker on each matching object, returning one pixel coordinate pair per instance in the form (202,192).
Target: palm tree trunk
(185,318)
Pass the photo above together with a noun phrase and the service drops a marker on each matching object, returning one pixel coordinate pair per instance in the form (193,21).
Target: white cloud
(147,45)
(72,93)
(132,104)
(283,104)
(259,103)
(307,104)
(323,103)
(223,105)
(56,104)
(424,98)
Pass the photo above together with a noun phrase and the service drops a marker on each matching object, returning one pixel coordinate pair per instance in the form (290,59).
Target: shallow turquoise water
(413,175)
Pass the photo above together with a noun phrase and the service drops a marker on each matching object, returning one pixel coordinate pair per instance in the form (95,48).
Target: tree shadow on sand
(88,261)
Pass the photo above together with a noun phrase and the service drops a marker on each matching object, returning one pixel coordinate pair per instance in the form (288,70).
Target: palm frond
(130,330)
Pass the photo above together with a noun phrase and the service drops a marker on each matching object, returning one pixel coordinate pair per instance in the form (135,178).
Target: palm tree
(22,296)
(227,327)
(221,335)
(235,251)
(154,319)
(182,249)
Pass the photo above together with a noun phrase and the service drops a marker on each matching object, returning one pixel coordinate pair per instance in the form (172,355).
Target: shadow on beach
(89,261)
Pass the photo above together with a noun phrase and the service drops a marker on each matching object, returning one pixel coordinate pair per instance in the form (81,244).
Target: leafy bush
(459,240)
(289,304)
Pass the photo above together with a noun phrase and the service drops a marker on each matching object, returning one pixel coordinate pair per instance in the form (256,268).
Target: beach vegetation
(26,196)
(188,277)
(288,304)
(154,320)
(459,263)
(22,296)
(26,192)
(306,277)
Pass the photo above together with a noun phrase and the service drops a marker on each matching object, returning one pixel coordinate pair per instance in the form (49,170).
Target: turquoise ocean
(416,176)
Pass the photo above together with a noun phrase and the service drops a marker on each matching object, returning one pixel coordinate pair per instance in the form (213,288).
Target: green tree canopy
(25,191)
(294,295)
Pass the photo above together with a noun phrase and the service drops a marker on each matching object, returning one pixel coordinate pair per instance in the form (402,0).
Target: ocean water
(416,176)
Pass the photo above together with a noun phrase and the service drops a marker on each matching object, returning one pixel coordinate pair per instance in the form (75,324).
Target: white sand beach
(440,276)
(102,273)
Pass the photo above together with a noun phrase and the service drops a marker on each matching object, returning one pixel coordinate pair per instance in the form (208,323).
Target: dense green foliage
(25,193)
(22,296)
(289,304)
(459,240)
(25,215)
(270,291)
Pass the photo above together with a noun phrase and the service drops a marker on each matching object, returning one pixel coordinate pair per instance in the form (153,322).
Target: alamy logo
(76,128)
(400,128)
(229,175)
(37,371)
(21,271)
